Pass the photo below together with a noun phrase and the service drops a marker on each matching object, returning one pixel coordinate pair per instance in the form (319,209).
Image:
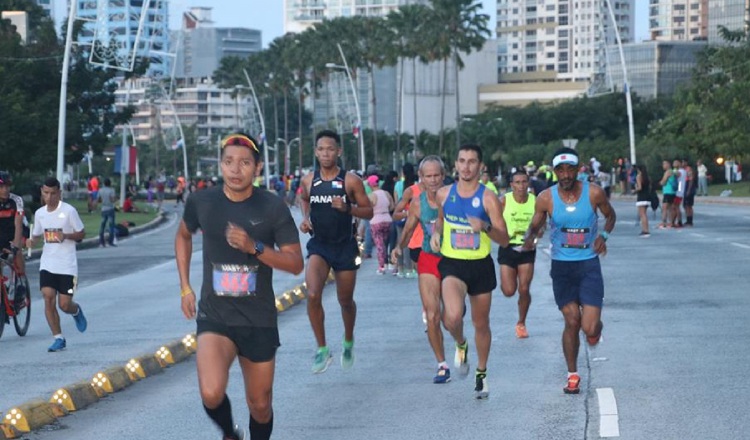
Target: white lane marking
(609,423)
(743,246)
(695,234)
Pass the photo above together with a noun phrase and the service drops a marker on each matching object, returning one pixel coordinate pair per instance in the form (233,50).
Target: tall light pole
(626,86)
(288,153)
(72,11)
(266,165)
(345,67)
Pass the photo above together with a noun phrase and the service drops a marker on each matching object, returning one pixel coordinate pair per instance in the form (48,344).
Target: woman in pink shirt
(380,224)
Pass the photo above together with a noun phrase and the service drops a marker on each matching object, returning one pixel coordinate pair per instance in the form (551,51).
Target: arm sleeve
(75,221)
(37,231)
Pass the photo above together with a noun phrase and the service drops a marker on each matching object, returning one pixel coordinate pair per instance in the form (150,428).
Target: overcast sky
(266,15)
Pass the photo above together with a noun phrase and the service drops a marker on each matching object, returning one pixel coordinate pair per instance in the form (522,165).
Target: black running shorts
(64,284)
(257,344)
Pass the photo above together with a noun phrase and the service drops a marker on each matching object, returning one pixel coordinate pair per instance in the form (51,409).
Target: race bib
(53,235)
(464,239)
(234,280)
(575,238)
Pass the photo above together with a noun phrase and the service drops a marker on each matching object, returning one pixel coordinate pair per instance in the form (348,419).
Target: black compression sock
(222,416)
(260,431)
(690,220)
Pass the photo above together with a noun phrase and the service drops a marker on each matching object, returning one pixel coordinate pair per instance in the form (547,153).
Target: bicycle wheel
(22,305)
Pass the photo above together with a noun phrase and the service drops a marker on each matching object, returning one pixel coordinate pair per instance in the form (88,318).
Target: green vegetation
(92,222)
(708,119)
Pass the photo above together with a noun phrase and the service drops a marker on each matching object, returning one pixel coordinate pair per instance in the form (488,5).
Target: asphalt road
(674,355)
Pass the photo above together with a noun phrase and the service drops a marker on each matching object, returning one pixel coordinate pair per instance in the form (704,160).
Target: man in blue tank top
(572,207)
(469,218)
(330,199)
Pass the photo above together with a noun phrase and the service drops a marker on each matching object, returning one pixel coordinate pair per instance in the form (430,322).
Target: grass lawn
(92,222)
(739,189)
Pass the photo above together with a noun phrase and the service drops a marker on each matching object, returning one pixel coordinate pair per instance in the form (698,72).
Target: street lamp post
(345,67)
(288,153)
(266,165)
(626,86)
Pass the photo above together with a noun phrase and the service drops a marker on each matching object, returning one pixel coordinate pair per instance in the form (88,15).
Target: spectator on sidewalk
(380,224)
(107,200)
(702,178)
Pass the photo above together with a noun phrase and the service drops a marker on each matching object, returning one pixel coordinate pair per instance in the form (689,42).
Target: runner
(517,265)
(237,315)
(424,211)
(61,227)
(577,283)
(468,217)
(330,198)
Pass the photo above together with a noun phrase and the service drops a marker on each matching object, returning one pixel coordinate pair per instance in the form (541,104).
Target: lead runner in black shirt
(331,197)
(236,315)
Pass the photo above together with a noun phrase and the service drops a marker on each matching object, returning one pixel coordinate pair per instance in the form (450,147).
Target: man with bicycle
(60,226)
(11,223)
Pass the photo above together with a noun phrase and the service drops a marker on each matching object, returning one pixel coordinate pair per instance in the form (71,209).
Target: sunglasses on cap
(239,140)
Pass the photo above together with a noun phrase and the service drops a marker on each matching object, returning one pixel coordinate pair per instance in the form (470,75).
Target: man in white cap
(573,206)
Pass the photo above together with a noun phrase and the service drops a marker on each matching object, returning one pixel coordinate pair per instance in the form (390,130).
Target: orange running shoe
(573,385)
(521,332)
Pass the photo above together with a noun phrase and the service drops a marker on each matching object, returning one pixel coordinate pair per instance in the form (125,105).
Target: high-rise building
(48,6)
(678,20)
(302,14)
(554,40)
(200,46)
(732,14)
(114,23)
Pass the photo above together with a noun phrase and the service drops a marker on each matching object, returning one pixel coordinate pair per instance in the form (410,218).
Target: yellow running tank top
(518,216)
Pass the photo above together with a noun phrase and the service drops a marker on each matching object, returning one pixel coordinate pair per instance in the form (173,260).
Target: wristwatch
(487,228)
(259,248)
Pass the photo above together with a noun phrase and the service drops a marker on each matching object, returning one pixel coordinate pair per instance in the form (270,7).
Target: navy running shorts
(257,344)
(478,275)
(340,256)
(577,281)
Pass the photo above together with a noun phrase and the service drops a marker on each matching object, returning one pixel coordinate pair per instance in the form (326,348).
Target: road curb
(35,414)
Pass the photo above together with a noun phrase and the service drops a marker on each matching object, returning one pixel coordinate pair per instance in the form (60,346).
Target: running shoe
(347,357)
(482,389)
(573,384)
(443,375)
(381,270)
(521,332)
(239,434)
(58,345)
(80,319)
(322,360)
(461,359)
(644,234)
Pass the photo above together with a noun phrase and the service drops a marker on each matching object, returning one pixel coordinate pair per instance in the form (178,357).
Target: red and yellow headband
(239,140)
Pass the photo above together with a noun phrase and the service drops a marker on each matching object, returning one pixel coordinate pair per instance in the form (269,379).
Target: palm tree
(459,26)
(407,22)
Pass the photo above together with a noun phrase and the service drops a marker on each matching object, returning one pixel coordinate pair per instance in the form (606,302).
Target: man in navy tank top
(573,207)
(331,198)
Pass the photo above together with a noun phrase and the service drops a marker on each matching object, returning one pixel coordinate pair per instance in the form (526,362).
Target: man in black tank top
(330,198)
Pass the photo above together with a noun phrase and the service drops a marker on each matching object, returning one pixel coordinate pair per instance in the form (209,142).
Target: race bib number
(234,280)
(575,238)
(464,239)
(53,235)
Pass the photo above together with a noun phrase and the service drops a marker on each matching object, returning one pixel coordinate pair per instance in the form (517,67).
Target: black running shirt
(329,225)
(267,219)
(9,210)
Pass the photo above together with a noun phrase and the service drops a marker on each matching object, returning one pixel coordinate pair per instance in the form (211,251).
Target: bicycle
(20,307)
